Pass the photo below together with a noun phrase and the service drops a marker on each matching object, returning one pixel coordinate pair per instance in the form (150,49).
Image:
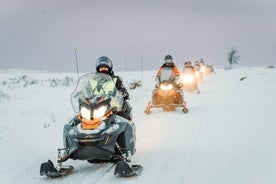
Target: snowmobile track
(195,137)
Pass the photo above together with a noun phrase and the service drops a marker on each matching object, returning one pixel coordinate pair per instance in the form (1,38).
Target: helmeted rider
(168,72)
(188,67)
(168,63)
(104,65)
(202,66)
(188,64)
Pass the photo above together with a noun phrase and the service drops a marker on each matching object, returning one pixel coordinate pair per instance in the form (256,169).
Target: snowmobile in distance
(204,69)
(101,132)
(188,78)
(209,69)
(198,72)
(168,94)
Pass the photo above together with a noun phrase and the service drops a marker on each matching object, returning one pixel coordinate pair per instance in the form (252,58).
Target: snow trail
(227,137)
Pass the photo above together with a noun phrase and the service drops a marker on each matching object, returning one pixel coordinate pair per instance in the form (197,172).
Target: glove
(157,79)
(125,95)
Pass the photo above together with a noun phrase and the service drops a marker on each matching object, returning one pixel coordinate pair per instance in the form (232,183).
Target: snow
(227,137)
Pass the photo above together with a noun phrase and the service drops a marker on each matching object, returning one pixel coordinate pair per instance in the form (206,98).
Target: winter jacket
(119,85)
(174,74)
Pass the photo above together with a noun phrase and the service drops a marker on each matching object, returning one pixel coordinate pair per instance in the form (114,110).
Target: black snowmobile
(101,132)
(168,95)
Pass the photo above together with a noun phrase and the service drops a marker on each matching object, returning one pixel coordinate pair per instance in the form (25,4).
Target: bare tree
(233,57)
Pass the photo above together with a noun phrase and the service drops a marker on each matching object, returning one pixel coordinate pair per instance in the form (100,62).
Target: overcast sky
(135,34)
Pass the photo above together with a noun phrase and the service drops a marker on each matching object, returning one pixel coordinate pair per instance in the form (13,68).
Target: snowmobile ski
(185,110)
(48,169)
(123,169)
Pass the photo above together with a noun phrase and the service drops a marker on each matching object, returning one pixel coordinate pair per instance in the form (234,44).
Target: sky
(136,35)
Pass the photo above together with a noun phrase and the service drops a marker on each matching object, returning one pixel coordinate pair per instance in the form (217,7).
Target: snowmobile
(203,68)
(209,69)
(198,73)
(100,132)
(168,94)
(189,80)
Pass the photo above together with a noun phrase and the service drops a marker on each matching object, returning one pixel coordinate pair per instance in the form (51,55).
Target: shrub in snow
(3,96)
(25,81)
(67,81)
(53,83)
(134,84)
(271,67)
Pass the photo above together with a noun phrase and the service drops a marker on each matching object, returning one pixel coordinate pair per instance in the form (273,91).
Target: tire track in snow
(198,116)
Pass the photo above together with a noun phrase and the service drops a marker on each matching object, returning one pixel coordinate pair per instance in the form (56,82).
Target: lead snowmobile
(168,94)
(100,132)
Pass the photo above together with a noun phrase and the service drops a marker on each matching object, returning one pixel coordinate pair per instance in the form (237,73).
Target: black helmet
(188,63)
(168,59)
(104,62)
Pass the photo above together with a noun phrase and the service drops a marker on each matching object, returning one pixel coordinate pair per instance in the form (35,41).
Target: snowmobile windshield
(166,74)
(187,70)
(96,85)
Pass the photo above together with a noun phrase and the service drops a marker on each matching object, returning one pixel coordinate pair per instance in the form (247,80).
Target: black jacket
(119,85)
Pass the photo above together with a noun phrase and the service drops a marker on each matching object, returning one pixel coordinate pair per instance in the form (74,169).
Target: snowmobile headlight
(100,112)
(166,87)
(85,113)
(188,79)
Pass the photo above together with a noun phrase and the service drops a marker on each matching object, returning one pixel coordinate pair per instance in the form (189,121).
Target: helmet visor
(103,70)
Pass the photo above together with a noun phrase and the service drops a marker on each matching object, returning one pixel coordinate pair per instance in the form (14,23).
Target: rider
(188,67)
(168,72)
(201,61)
(188,64)
(104,65)
(168,63)
(202,66)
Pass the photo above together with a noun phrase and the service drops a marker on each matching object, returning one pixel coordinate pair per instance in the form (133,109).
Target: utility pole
(142,67)
(77,62)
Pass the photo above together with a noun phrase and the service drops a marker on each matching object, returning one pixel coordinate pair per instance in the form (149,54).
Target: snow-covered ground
(228,137)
